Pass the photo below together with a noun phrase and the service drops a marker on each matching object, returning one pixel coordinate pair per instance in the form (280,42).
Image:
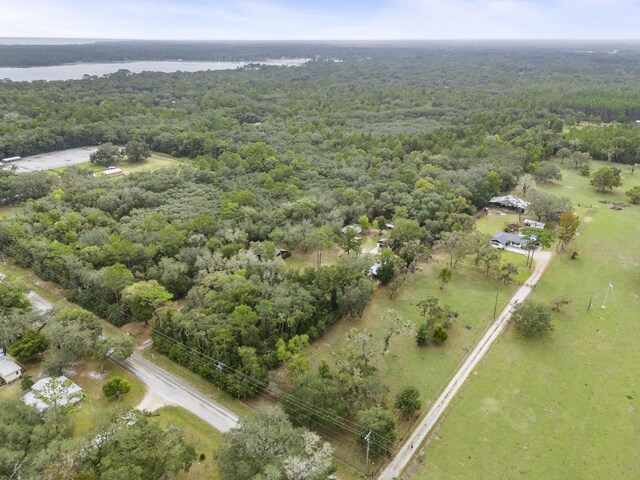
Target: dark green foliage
(137,150)
(264,446)
(408,401)
(140,450)
(378,421)
(116,386)
(107,154)
(26,382)
(12,297)
(422,335)
(444,276)
(532,319)
(546,172)
(383,139)
(388,267)
(605,178)
(634,195)
(26,434)
(31,344)
(440,334)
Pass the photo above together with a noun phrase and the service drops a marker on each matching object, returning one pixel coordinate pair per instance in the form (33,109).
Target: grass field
(470,292)
(154,162)
(300,259)
(205,438)
(568,405)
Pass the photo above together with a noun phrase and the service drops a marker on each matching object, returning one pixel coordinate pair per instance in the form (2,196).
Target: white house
(63,392)
(9,370)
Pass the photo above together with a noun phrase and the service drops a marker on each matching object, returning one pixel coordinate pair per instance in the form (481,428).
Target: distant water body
(77,71)
(45,41)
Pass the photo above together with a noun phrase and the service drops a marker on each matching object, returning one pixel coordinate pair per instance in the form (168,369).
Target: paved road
(420,434)
(39,303)
(176,392)
(51,160)
(165,385)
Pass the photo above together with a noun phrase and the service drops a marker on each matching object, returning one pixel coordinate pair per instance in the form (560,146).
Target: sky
(321,19)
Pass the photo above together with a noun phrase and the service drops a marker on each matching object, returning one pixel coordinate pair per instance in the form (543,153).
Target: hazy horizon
(278,20)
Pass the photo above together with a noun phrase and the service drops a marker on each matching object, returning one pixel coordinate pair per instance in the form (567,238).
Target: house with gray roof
(504,239)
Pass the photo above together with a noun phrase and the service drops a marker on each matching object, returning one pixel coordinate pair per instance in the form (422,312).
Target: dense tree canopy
(418,138)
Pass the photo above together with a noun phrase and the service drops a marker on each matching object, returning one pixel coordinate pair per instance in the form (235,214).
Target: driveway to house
(430,421)
(164,385)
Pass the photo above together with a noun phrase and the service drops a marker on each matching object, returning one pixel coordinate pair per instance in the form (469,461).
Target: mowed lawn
(154,162)
(205,438)
(470,292)
(568,405)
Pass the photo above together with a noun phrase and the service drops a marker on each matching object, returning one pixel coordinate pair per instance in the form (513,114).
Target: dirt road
(420,434)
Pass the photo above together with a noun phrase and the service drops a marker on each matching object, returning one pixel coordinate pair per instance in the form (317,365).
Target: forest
(277,159)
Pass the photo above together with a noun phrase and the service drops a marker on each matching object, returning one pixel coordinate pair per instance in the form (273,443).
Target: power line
(274,392)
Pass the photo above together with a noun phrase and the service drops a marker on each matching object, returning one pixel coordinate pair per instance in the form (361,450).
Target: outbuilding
(533,224)
(10,371)
(510,202)
(65,394)
(112,172)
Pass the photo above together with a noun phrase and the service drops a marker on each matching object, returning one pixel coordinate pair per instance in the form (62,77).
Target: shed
(354,227)
(112,172)
(9,370)
(511,202)
(67,394)
(10,159)
(533,224)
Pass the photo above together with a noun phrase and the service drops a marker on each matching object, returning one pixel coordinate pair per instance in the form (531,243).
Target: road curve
(163,384)
(420,434)
(177,392)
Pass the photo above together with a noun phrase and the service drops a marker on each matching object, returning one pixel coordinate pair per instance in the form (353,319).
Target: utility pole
(495,307)
(609,287)
(368,440)
(590,302)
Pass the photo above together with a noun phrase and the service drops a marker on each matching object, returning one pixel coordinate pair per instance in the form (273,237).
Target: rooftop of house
(8,366)
(66,395)
(505,238)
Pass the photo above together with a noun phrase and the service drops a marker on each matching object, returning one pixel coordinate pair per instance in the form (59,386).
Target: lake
(77,70)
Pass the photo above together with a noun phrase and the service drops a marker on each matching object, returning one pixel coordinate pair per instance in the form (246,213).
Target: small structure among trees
(53,392)
(9,370)
(510,202)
